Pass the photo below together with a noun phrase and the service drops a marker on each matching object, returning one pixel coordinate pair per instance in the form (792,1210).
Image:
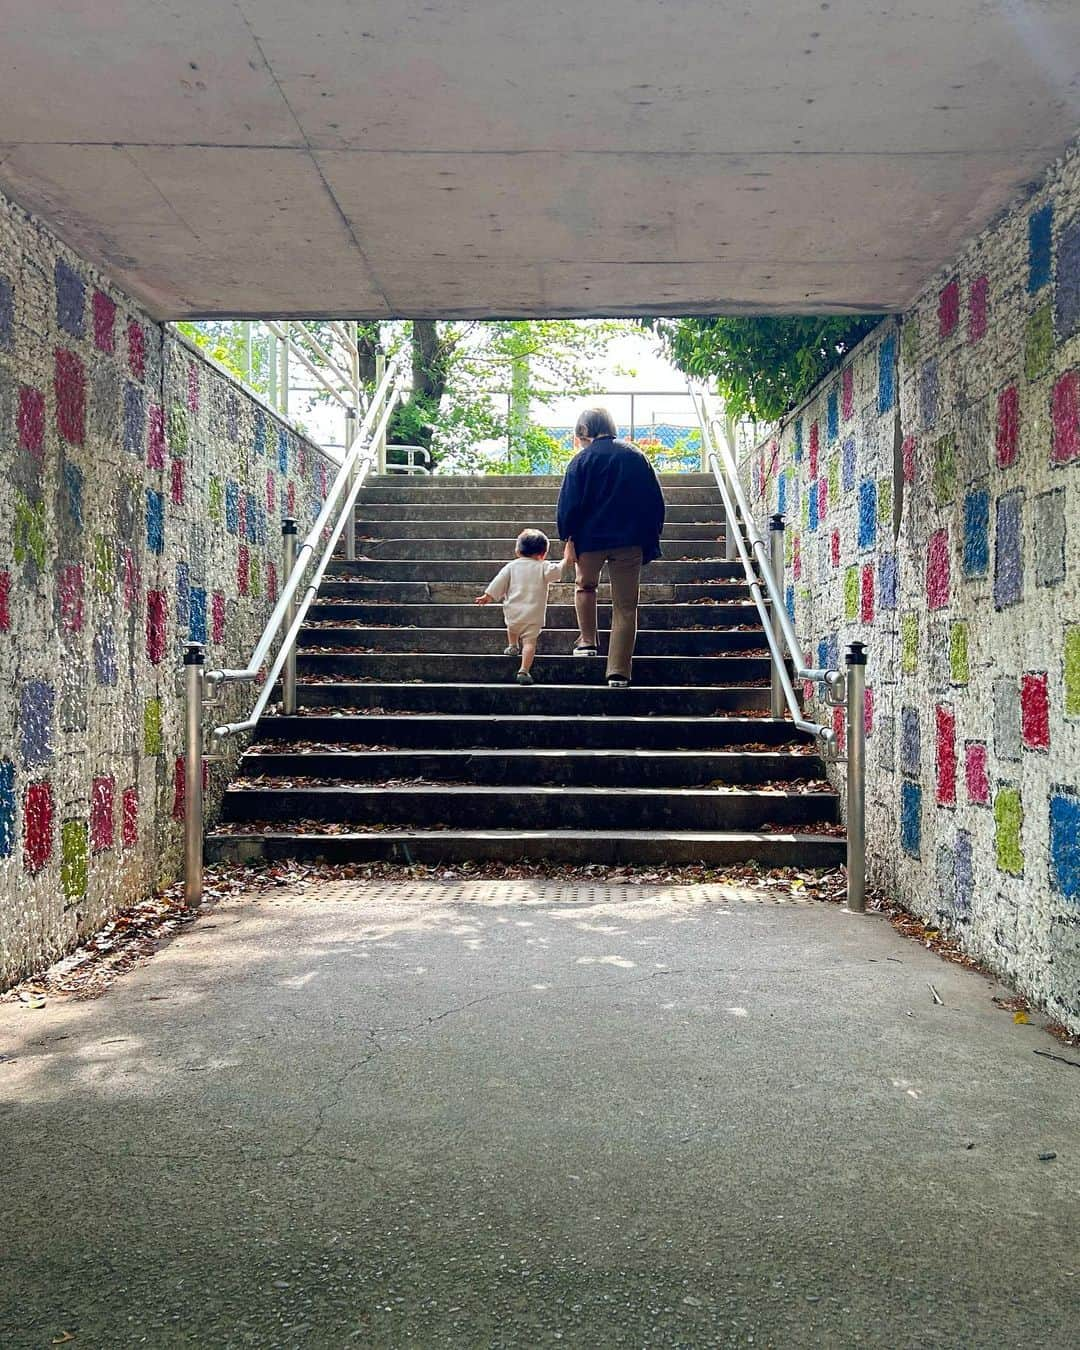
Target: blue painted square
(1065,842)
(910,742)
(888,581)
(1067,289)
(282,450)
(260,433)
(232,505)
(832,652)
(7,808)
(847,464)
(1008,550)
(813,503)
(155,521)
(183,594)
(976,556)
(886,389)
(781,493)
(929,386)
(7,314)
(134,419)
(911,819)
(251,523)
(73,488)
(197,625)
(963,873)
(823,653)
(789,602)
(1040,233)
(37,703)
(798,440)
(70,299)
(867,514)
(105,664)
(832,416)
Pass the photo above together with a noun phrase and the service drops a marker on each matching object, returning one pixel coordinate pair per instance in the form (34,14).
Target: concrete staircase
(413,742)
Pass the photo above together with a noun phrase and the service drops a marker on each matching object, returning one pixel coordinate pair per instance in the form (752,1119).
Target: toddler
(521,587)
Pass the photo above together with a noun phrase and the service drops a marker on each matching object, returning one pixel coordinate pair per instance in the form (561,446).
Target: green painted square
(179,434)
(29,531)
(944,475)
(884,502)
(215,494)
(1008,819)
(104,564)
(909,641)
(851,593)
(255,576)
(789,547)
(153,739)
(1072,671)
(959,670)
(74,858)
(909,342)
(834,479)
(1039,343)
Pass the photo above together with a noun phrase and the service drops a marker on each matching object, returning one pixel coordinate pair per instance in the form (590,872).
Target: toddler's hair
(531,543)
(595,422)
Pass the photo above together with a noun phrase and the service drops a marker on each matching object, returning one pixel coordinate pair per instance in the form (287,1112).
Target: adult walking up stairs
(412,741)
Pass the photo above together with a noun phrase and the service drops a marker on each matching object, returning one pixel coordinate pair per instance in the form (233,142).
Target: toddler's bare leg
(528,651)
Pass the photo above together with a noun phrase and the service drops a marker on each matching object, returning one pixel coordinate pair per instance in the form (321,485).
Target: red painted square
(866,594)
(243,570)
(180,786)
(839,725)
(834,548)
(157,622)
(978,307)
(38,817)
(807,690)
(69,385)
(975,773)
(774,458)
(815,446)
(949,309)
(217,617)
(796,558)
(937,570)
(847,392)
(69,590)
(132,579)
(102,823)
(104,322)
(193,386)
(271,582)
(945,739)
(290,500)
(129,818)
(271,493)
(1008,426)
(136,340)
(31,419)
(156,443)
(1065,418)
(822,498)
(868,710)
(323,481)
(5,602)
(176,482)
(1035,711)
(907,451)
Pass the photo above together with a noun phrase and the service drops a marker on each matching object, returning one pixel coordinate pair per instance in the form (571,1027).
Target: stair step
(607,848)
(481,570)
(553,700)
(410,527)
(403,490)
(576,807)
(432,731)
(651,618)
(710,512)
(497,551)
(553,641)
(529,768)
(696,671)
(706,594)
(512,480)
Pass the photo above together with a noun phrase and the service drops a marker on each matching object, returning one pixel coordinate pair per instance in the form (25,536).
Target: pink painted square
(243,570)
(136,342)
(839,726)
(807,690)
(796,558)
(937,570)
(271,493)
(834,548)
(907,451)
(847,392)
(978,303)
(193,386)
(157,621)
(823,498)
(868,710)
(975,773)
(69,591)
(104,322)
(38,816)
(156,445)
(217,617)
(102,808)
(31,420)
(271,582)
(815,446)
(129,818)
(1008,426)
(949,309)
(5,602)
(945,738)
(290,499)
(866,594)
(176,482)
(1065,418)
(1035,711)
(69,385)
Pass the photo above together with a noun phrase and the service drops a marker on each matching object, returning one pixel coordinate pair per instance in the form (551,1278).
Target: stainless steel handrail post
(288,678)
(350,525)
(380,444)
(776,540)
(856,778)
(194,687)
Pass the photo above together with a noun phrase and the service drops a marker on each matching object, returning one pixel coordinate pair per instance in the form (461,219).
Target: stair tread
(543,790)
(702,835)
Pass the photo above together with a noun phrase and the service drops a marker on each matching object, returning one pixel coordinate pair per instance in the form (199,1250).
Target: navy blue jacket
(611,498)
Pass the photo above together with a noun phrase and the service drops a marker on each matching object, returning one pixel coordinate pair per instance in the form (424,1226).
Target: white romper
(521,587)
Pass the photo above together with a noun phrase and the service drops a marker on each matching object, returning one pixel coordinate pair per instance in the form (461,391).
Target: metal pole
(283,375)
(633,426)
(380,371)
(350,524)
(194,675)
(856,778)
(777,702)
(288,675)
(245,331)
(272,371)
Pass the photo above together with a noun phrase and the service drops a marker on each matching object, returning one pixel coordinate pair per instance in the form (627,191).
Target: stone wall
(141,492)
(932,489)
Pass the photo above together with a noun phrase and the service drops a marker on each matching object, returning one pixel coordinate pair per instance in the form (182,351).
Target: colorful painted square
(155,521)
(945,754)
(1008,550)
(851,594)
(943,479)
(887,373)
(69,387)
(976,554)
(798,440)
(1040,232)
(1035,711)
(1006,718)
(106,668)
(1008,426)
(153,737)
(7,808)
(910,742)
(243,570)
(104,311)
(260,432)
(70,299)
(1071,670)
(7,313)
(134,419)
(129,818)
(74,858)
(909,642)
(1065,842)
(911,818)
(136,343)
(834,548)
(102,814)
(5,602)
(868,710)
(963,873)
(1008,830)
(847,464)
(69,597)
(232,506)
(866,594)
(978,305)
(832,415)
(949,309)
(909,340)
(38,826)
(812,507)
(217,618)
(959,668)
(31,421)
(176,482)
(1067,289)
(1065,418)
(1039,342)
(937,570)
(1050,538)
(157,621)
(193,386)
(867,514)
(976,778)
(888,581)
(37,708)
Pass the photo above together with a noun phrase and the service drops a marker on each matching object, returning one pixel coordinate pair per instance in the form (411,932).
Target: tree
(763,366)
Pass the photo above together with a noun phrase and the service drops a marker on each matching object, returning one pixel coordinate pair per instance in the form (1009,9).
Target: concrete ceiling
(517,158)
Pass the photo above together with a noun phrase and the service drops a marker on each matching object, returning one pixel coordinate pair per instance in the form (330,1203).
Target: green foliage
(227,342)
(762,367)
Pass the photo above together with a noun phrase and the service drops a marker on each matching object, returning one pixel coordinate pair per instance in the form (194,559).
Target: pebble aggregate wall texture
(140,501)
(932,490)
